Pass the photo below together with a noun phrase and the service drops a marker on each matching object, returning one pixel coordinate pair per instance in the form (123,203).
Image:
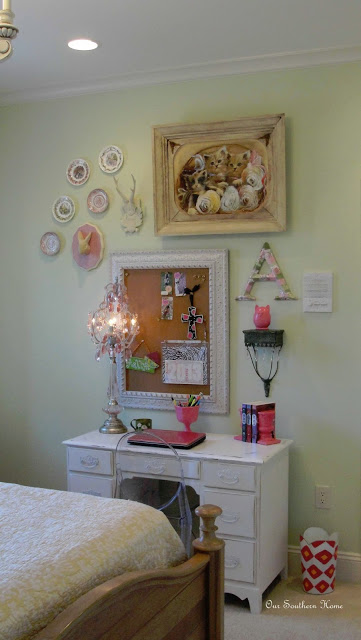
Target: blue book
(244,422)
(249,423)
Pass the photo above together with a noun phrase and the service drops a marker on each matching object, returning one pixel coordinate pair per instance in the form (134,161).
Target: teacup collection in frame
(220,177)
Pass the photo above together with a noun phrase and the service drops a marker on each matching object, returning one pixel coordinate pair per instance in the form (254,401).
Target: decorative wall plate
(98,201)
(111,159)
(78,172)
(50,243)
(63,209)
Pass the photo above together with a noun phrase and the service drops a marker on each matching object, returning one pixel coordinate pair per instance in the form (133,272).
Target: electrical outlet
(323,497)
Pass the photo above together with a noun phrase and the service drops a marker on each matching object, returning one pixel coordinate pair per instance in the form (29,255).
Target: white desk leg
(255,603)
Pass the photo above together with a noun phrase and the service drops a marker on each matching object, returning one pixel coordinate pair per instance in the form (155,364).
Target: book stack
(250,420)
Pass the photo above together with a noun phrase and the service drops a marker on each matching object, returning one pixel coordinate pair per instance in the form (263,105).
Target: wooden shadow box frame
(207,267)
(175,151)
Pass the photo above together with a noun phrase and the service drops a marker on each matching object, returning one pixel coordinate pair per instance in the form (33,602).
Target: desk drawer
(239,560)
(238,512)
(90,460)
(153,465)
(91,484)
(233,476)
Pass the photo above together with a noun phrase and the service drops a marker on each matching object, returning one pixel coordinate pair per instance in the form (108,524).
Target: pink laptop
(178,439)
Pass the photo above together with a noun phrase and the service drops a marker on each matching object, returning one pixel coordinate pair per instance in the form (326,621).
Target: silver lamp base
(113,425)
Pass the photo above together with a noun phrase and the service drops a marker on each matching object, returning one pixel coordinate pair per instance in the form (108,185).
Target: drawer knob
(155,467)
(228,476)
(229,517)
(89,462)
(231,562)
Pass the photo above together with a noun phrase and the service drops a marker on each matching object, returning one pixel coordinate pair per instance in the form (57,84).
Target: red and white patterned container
(318,560)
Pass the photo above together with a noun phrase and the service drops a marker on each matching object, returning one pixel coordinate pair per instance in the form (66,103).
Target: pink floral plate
(50,243)
(78,172)
(98,201)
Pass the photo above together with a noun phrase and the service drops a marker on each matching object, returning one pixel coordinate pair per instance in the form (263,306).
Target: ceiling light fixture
(7,30)
(82,44)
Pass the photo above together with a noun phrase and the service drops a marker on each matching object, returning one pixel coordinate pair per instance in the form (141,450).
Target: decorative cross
(192,318)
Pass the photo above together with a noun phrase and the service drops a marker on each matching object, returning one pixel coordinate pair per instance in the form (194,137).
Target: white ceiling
(151,41)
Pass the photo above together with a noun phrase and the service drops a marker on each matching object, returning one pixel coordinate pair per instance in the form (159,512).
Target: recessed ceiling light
(82,44)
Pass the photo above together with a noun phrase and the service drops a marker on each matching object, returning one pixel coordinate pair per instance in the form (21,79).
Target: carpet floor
(291,614)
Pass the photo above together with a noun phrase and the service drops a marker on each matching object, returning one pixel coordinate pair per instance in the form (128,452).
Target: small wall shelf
(256,339)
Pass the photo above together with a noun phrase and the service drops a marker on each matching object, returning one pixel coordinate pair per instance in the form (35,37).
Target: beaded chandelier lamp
(112,328)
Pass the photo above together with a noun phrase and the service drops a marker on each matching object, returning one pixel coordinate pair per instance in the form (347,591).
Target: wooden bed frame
(182,603)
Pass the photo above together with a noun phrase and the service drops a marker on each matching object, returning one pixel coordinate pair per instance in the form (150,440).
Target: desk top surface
(216,446)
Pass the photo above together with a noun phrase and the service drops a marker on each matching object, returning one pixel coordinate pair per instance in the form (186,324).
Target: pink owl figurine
(262,317)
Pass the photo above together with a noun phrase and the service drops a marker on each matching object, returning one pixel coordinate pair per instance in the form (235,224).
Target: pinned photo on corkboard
(220,177)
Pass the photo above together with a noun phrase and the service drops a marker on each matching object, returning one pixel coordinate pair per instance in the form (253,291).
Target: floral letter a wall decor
(275,275)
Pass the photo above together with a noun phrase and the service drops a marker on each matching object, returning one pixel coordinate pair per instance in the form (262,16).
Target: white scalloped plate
(78,172)
(63,209)
(111,159)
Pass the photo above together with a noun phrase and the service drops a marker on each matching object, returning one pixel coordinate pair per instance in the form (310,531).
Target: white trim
(348,565)
(237,66)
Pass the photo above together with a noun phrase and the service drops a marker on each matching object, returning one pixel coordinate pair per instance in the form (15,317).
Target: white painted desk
(248,481)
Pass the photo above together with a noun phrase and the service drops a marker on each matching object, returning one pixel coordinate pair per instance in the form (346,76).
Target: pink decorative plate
(50,243)
(78,172)
(98,201)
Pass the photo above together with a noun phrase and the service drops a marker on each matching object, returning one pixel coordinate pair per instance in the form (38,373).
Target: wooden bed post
(209,543)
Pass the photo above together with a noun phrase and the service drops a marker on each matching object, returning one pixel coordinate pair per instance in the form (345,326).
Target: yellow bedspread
(55,546)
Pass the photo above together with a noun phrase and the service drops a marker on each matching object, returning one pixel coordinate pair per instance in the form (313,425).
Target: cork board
(145,299)
(141,272)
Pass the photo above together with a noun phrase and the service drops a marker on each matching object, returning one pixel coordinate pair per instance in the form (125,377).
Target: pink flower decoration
(255,158)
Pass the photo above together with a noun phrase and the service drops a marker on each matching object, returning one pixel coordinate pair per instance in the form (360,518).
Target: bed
(75,566)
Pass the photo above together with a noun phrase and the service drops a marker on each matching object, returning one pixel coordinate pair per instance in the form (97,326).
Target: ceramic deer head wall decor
(131,214)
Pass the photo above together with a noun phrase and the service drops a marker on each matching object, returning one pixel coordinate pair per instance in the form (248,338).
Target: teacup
(141,424)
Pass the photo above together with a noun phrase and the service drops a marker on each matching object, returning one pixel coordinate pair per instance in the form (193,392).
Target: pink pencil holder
(187,415)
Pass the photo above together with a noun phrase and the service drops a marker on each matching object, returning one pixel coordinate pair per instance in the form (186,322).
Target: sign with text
(141,364)
(183,372)
(317,292)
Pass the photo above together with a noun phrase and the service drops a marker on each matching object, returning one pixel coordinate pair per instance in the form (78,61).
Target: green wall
(51,388)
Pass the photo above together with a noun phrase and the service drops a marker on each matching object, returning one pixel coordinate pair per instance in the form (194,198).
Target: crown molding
(255,64)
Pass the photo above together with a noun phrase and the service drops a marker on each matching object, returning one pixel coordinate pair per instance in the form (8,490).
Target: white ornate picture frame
(216,262)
